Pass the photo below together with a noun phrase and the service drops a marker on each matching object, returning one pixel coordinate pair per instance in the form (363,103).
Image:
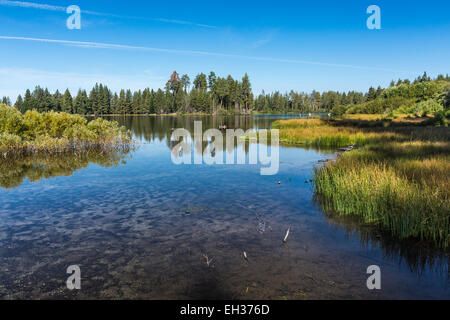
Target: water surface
(140,227)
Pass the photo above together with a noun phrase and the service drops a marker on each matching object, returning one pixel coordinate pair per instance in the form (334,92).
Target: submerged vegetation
(57,133)
(397,177)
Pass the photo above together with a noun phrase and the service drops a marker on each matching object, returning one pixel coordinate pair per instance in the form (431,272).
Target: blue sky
(282,45)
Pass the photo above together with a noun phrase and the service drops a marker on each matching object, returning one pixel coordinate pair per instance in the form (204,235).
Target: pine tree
(128,102)
(371,95)
(67,103)
(246,93)
(81,103)
(160,103)
(146,101)
(105,103)
(28,103)
(200,82)
(6,101)
(19,104)
(137,102)
(115,104)
(186,82)
(56,101)
(121,107)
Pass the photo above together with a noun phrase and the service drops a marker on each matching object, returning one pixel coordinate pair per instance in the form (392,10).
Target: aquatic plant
(398,177)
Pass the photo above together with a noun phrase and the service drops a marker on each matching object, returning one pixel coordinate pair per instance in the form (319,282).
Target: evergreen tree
(128,102)
(121,106)
(67,103)
(105,101)
(115,104)
(57,101)
(160,103)
(246,93)
(6,101)
(19,104)
(146,101)
(371,95)
(94,99)
(81,103)
(137,102)
(186,82)
(28,103)
(200,82)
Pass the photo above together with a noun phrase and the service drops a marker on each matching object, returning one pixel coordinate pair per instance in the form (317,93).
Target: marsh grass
(57,133)
(397,178)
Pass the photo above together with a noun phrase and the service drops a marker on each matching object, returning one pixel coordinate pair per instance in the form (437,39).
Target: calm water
(139,227)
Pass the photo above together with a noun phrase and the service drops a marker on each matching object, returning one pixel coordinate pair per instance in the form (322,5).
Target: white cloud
(48,7)
(265,40)
(101,45)
(23,4)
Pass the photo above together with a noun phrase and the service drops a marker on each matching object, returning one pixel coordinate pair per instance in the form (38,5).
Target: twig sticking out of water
(287,235)
(208,262)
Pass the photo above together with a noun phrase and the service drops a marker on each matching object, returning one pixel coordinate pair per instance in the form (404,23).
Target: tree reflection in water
(13,172)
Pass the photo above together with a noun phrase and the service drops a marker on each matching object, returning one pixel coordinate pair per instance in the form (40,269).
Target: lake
(141,227)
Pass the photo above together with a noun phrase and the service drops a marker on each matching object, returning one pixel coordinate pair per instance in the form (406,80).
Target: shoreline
(394,178)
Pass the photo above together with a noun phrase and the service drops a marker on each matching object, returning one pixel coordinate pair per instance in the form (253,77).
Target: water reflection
(419,256)
(13,172)
(150,129)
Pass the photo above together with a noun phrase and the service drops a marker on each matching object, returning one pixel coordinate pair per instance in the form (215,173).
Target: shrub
(53,132)
(427,107)
(339,110)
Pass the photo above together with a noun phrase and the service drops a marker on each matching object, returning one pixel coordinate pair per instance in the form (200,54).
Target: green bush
(11,120)
(419,91)
(381,105)
(440,119)
(339,110)
(54,132)
(427,107)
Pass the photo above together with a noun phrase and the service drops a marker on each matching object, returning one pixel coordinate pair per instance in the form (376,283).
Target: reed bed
(401,196)
(333,137)
(398,177)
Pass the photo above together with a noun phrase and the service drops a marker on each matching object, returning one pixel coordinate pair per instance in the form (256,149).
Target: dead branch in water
(208,261)
(287,235)
(245,256)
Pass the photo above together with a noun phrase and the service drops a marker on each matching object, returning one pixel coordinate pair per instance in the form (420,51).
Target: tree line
(206,94)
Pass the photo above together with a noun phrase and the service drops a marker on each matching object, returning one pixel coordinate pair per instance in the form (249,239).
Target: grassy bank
(56,133)
(398,177)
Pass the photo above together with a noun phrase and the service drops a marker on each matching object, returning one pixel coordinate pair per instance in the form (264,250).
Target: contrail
(31,5)
(101,45)
(48,7)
